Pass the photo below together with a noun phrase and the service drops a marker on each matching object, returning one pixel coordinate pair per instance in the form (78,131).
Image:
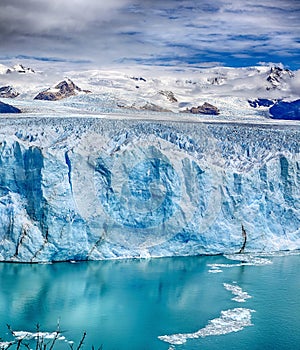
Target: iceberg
(92,188)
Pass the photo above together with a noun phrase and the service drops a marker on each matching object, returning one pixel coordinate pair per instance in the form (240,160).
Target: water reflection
(127,304)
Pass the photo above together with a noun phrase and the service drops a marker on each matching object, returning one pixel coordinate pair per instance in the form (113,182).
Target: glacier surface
(91,188)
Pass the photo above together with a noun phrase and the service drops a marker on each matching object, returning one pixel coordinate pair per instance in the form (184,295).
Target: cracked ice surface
(78,188)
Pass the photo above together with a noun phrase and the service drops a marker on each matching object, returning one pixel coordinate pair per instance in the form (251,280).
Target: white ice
(239,295)
(232,320)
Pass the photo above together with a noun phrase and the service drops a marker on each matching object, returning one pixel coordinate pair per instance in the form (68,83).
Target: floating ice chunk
(171,347)
(215,269)
(5,345)
(240,295)
(232,320)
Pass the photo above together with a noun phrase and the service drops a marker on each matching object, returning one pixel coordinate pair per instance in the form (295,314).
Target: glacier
(92,188)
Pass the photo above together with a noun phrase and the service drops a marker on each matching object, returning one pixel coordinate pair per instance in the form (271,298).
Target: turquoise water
(129,304)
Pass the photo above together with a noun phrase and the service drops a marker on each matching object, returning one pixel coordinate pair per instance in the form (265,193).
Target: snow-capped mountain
(279,77)
(8,92)
(231,91)
(3,69)
(19,68)
(178,90)
(7,108)
(64,89)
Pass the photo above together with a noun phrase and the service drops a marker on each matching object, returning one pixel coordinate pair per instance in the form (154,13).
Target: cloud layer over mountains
(152,32)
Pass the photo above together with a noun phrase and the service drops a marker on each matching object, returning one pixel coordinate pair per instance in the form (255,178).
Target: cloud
(149,31)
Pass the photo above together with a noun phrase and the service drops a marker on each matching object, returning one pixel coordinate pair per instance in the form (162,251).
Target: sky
(99,33)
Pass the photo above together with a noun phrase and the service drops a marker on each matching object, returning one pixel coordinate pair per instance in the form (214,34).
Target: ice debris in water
(232,320)
(244,260)
(215,269)
(5,344)
(248,259)
(240,295)
(282,253)
(29,335)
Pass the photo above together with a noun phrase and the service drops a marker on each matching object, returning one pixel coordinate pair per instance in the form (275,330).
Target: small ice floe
(232,320)
(215,269)
(5,345)
(239,295)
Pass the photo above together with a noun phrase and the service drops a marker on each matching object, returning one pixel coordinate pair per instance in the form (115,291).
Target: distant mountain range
(17,68)
(157,89)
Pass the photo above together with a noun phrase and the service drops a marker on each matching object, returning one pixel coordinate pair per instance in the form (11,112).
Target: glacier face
(92,188)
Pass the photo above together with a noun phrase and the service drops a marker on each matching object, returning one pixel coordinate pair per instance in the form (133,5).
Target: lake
(237,302)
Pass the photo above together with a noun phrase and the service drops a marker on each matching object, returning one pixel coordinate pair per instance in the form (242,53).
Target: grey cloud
(112,30)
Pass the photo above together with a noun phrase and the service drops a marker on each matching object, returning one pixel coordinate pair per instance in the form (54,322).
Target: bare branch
(81,341)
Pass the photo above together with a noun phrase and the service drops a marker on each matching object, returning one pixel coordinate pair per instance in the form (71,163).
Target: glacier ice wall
(92,188)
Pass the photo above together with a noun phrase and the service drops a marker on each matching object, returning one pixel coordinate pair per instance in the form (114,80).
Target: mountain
(286,110)
(206,108)
(64,89)
(6,108)
(8,92)
(19,68)
(3,69)
(278,76)
(160,89)
(261,102)
(184,89)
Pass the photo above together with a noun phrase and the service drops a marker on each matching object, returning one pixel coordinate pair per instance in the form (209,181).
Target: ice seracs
(77,187)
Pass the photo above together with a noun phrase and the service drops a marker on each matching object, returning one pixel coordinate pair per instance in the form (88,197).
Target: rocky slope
(286,110)
(206,108)
(8,92)
(6,108)
(64,89)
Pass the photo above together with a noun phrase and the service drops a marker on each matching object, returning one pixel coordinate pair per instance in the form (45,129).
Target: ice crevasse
(92,188)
